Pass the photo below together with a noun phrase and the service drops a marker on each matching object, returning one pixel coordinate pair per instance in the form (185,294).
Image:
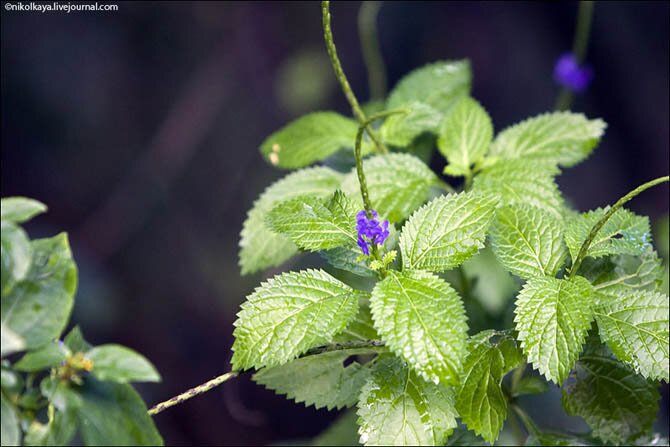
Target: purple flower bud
(370,231)
(569,74)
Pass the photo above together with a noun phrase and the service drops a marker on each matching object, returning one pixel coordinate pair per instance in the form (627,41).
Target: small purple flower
(370,231)
(569,74)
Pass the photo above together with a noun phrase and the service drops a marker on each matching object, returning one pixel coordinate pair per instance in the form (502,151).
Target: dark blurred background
(139,129)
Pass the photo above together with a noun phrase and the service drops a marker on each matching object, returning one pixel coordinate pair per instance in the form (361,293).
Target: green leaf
(260,247)
(120,364)
(44,357)
(289,314)
(314,225)
(321,380)
(634,324)
(465,136)
(617,404)
(12,381)
(397,407)
(111,414)
(20,209)
(38,308)
(625,233)
(613,274)
(491,285)
(528,241)
(344,432)
(348,258)
(360,328)
(421,318)
(310,138)
(9,419)
(560,439)
(11,342)
(397,183)
(553,317)
(58,431)
(438,85)
(75,341)
(58,392)
(531,385)
(560,137)
(519,182)
(480,400)
(446,232)
(462,436)
(16,255)
(30,400)
(401,129)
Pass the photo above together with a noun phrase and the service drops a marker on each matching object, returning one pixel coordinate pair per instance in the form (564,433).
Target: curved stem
(341,77)
(359,159)
(372,55)
(598,225)
(579,46)
(193,392)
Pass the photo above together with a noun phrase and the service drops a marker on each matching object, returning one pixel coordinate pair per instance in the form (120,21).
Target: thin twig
(193,392)
(373,345)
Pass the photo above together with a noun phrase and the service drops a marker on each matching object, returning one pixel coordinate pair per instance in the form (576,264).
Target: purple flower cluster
(569,74)
(370,231)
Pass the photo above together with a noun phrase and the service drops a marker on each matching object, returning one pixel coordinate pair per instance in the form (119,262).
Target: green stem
(526,420)
(598,225)
(372,55)
(583,30)
(519,435)
(359,159)
(517,375)
(365,125)
(341,77)
(579,46)
(193,392)
(468,182)
(446,186)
